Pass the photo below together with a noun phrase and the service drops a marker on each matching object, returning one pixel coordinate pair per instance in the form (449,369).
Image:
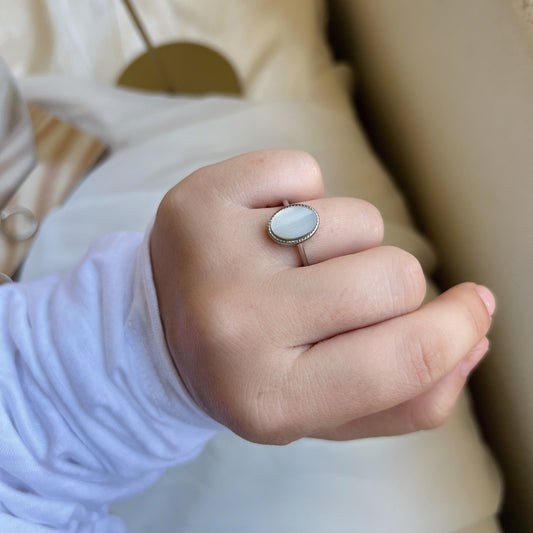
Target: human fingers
(347,226)
(261,179)
(230,227)
(344,294)
(427,411)
(368,370)
(210,280)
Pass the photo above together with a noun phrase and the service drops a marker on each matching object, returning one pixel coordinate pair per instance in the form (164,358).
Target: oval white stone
(294,223)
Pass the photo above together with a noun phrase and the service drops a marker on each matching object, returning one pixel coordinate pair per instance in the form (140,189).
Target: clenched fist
(275,351)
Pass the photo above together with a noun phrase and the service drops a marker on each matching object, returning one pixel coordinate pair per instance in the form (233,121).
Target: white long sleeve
(91,407)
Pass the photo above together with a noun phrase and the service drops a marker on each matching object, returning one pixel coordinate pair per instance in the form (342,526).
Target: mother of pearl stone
(293,224)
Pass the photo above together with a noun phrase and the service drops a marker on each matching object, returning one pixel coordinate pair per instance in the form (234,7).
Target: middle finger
(343,294)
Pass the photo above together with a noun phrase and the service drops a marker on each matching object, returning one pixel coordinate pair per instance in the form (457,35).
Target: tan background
(448,87)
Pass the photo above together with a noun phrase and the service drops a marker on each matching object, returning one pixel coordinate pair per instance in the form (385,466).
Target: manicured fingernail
(487,297)
(474,356)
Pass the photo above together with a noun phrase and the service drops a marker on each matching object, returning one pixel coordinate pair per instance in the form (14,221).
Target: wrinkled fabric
(91,407)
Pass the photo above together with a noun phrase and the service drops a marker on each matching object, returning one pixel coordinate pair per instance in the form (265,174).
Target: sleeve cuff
(172,399)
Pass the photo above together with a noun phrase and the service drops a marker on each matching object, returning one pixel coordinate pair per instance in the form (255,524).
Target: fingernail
(487,297)
(474,356)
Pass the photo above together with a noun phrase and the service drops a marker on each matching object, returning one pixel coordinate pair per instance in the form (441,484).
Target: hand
(275,351)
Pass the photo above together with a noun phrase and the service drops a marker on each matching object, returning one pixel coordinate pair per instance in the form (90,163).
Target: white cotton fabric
(440,481)
(91,407)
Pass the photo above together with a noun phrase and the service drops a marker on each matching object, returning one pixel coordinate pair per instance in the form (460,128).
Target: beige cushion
(450,88)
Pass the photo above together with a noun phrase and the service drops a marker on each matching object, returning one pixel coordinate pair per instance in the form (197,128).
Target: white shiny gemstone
(293,224)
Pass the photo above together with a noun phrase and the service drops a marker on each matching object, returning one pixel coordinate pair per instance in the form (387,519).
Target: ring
(292,225)
(4,278)
(26,219)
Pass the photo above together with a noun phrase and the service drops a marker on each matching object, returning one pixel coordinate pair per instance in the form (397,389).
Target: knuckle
(432,415)
(406,280)
(475,312)
(263,420)
(423,351)
(308,166)
(174,204)
(166,205)
(306,161)
(261,432)
(413,279)
(300,159)
(215,314)
(375,227)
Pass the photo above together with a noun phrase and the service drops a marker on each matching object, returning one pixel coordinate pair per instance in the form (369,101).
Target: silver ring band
(302,254)
(4,278)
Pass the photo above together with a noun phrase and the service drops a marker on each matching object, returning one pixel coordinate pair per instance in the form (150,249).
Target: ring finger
(347,226)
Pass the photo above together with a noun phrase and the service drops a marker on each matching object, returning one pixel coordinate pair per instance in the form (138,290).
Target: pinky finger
(427,411)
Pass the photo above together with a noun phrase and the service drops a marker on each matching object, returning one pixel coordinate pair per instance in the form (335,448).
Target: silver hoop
(28,218)
(4,278)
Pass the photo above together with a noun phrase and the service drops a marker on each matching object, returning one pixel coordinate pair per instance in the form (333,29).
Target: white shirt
(91,407)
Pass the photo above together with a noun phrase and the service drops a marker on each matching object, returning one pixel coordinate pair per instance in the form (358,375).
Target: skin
(339,349)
